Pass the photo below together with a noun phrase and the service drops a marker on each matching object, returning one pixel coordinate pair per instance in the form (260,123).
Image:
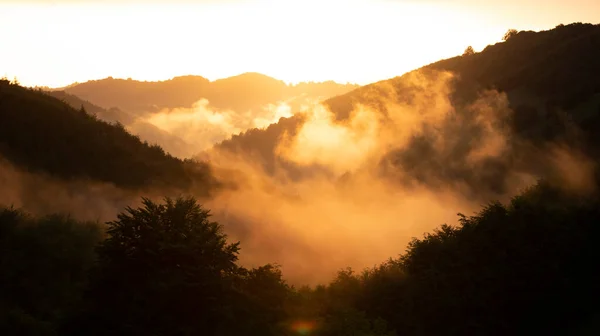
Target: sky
(58,42)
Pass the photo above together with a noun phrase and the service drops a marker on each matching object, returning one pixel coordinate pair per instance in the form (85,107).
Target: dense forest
(146,131)
(166,267)
(43,134)
(528,267)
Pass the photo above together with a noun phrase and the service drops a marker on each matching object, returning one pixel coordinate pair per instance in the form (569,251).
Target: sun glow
(303,327)
(356,41)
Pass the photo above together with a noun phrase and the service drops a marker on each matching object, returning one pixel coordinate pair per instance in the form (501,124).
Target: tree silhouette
(469,51)
(506,270)
(259,303)
(510,33)
(165,269)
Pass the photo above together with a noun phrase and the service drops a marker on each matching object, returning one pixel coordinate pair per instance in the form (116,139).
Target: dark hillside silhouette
(111,115)
(145,130)
(260,144)
(537,64)
(41,133)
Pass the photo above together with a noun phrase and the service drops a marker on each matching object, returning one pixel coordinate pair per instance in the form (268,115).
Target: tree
(259,304)
(163,269)
(469,51)
(45,263)
(510,33)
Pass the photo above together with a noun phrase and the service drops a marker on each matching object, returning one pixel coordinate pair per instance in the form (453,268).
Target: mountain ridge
(251,90)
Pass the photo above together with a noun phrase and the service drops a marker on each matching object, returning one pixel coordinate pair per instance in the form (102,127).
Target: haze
(319,168)
(56,43)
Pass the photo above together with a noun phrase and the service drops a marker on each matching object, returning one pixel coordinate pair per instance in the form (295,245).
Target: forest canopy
(167,269)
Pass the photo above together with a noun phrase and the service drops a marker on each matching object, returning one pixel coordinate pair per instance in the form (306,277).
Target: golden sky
(57,42)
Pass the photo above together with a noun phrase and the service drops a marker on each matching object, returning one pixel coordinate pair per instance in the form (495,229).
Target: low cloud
(404,160)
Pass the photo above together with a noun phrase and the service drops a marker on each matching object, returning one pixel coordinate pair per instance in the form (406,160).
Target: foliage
(166,269)
(509,34)
(41,133)
(506,270)
(162,258)
(44,263)
(469,51)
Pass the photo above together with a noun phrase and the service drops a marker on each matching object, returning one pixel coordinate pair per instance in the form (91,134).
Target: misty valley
(460,198)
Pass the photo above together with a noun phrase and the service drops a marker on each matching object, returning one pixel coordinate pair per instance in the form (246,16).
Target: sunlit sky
(58,42)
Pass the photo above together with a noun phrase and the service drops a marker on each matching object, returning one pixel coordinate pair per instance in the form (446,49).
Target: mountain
(246,92)
(109,115)
(239,93)
(536,65)
(186,115)
(136,96)
(549,79)
(171,143)
(41,133)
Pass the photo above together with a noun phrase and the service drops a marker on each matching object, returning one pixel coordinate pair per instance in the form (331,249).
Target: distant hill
(41,133)
(110,115)
(239,93)
(136,96)
(552,83)
(225,106)
(145,130)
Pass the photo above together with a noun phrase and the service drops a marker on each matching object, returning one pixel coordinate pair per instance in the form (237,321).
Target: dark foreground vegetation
(528,267)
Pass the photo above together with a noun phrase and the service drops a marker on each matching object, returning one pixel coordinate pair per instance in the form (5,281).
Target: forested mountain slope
(40,133)
(545,92)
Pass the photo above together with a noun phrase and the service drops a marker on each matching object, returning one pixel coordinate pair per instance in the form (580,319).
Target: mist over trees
(186,114)
(541,112)
(528,265)
(167,269)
